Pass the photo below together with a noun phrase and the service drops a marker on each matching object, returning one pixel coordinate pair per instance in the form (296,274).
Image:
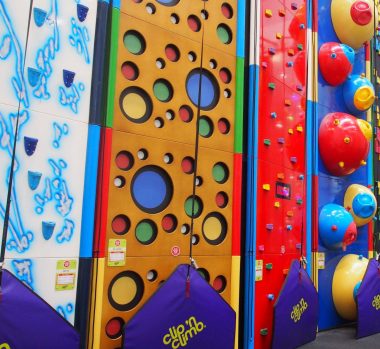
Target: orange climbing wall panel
(144,233)
(172,222)
(164,66)
(182,17)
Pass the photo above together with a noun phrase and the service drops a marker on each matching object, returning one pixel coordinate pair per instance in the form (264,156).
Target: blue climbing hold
(30,145)
(82,12)
(356,288)
(39,16)
(68,77)
(34,179)
(47,229)
(364,205)
(33,76)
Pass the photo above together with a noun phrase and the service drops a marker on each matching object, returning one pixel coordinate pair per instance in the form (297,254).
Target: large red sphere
(344,143)
(335,62)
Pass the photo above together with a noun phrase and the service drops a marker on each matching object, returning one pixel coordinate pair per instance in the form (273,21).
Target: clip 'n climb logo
(5,346)
(184,324)
(298,310)
(375,302)
(299,300)
(179,336)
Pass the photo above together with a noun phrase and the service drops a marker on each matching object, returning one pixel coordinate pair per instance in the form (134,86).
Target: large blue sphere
(336,226)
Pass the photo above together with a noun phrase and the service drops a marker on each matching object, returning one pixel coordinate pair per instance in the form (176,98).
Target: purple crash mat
(27,321)
(295,311)
(180,314)
(368,301)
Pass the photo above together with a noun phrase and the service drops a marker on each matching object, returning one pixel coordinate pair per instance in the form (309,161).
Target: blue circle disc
(209,89)
(168,2)
(152,189)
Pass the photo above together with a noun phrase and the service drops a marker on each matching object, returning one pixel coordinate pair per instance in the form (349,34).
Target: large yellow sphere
(353,21)
(348,273)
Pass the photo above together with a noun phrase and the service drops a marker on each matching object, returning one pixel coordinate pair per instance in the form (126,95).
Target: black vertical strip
(83,299)
(11,172)
(101,58)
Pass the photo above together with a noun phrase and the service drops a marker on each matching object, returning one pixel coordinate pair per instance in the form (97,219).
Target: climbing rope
(196,148)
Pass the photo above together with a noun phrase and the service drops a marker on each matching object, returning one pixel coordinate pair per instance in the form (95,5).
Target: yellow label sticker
(117,250)
(321,260)
(259,270)
(65,275)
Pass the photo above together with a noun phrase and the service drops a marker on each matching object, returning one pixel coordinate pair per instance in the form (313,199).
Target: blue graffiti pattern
(5,47)
(71,97)
(18,81)
(22,268)
(56,188)
(19,239)
(59,132)
(65,310)
(80,39)
(46,54)
(67,231)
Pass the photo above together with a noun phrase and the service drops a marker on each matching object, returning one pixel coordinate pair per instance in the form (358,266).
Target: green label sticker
(65,275)
(117,249)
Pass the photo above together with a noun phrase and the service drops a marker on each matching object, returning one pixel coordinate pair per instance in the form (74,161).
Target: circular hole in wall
(125,290)
(151,189)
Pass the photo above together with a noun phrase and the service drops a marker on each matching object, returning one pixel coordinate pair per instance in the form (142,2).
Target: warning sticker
(65,275)
(321,260)
(259,270)
(117,250)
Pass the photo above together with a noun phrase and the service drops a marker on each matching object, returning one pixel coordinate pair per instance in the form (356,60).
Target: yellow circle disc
(212,228)
(124,290)
(349,271)
(134,105)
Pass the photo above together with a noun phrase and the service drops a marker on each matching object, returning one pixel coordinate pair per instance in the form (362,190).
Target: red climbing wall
(280,166)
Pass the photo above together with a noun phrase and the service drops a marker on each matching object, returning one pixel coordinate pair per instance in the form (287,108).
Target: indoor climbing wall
(145,200)
(375,59)
(276,208)
(344,201)
(46,61)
